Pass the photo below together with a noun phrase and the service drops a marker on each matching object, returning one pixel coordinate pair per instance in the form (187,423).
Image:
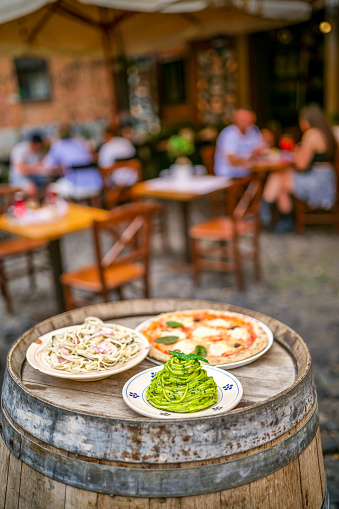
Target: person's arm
(304,152)
(28,169)
(229,144)
(236,160)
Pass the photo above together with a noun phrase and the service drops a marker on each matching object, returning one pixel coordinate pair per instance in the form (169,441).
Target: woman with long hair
(312,179)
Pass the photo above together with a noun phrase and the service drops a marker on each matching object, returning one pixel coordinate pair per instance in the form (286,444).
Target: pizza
(219,336)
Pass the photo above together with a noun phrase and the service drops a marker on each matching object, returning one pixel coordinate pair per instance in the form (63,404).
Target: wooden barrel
(68,444)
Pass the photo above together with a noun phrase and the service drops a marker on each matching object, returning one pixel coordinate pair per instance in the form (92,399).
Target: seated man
(26,168)
(71,153)
(116,148)
(236,145)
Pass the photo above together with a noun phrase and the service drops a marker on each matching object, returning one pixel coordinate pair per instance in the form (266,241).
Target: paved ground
(300,287)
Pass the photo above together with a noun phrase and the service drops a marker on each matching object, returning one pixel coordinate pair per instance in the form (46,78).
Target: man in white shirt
(26,168)
(117,148)
(236,145)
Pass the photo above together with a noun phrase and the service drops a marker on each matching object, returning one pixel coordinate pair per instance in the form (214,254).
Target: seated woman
(313,178)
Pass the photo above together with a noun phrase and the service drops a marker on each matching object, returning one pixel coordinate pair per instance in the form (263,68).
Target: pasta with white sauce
(92,346)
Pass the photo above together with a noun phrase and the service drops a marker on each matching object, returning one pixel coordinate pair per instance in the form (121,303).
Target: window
(33,79)
(172,82)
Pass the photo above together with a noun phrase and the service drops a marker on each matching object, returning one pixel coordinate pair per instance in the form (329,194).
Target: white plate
(36,357)
(230,392)
(231,365)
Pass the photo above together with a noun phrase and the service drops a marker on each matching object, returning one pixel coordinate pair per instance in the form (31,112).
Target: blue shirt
(232,141)
(74,152)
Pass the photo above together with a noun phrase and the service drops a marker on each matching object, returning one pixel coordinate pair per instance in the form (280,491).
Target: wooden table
(182,192)
(262,165)
(80,442)
(78,217)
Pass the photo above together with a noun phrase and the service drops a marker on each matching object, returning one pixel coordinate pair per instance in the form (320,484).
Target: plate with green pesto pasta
(89,351)
(182,388)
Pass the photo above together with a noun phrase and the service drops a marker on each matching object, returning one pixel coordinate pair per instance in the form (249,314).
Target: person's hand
(259,151)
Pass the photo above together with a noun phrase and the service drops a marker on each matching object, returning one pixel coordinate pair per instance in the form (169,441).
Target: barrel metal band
(137,482)
(326,503)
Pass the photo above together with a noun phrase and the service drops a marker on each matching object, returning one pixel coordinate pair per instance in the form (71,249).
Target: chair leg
(256,255)
(299,225)
(164,232)
(237,267)
(195,261)
(146,286)
(120,293)
(69,301)
(4,289)
(30,269)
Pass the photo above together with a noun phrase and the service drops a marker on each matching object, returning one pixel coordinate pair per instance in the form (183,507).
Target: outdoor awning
(76,27)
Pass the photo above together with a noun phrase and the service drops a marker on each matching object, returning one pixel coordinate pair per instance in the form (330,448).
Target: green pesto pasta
(182,386)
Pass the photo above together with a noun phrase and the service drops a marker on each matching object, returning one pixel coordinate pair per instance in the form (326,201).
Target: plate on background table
(230,392)
(36,357)
(237,364)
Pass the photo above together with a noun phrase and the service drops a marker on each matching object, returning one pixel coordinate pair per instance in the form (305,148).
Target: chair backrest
(110,191)
(207,153)
(129,227)
(249,203)
(7,193)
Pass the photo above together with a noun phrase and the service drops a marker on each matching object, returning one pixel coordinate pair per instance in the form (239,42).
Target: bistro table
(270,164)
(77,217)
(182,191)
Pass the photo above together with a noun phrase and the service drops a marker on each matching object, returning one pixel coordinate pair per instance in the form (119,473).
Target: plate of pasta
(136,395)
(89,351)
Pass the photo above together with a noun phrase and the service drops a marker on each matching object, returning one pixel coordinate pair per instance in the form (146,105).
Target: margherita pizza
(221,337)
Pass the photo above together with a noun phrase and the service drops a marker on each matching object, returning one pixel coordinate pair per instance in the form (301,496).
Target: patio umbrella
(130,27)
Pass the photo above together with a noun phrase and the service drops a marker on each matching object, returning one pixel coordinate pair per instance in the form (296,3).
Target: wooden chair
(215,243)
(13,247)
(118,194)
(114,193)
(304,214)
(126,260)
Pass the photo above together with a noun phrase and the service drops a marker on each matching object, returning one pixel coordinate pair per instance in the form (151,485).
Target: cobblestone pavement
(300,287)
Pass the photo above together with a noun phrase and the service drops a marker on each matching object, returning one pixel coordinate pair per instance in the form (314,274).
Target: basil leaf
(167,340)
(201,350)
(194,356)
(180,355)
(174,324)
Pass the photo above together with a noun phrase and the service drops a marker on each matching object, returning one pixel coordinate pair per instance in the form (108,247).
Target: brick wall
(80,93)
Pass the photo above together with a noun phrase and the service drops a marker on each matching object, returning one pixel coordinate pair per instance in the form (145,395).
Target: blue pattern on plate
(227,387)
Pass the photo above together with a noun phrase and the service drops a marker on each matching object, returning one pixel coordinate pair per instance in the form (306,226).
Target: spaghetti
(182,386)
(92,346)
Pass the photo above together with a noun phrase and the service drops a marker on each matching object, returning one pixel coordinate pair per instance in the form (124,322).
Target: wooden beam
(50,10)
(118,19)
(79,16)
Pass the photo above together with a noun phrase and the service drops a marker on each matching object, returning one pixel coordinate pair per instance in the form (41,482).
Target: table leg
(186,225)
(57,268)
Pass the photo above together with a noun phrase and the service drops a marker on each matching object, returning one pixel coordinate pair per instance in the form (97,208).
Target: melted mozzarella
(239,333)
(219,322)
(174,332)
(218,349)
(187,321)
(184,346)
(205,332)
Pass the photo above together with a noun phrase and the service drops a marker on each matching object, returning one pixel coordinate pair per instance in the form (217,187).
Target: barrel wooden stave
(292,487)
(298,484)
